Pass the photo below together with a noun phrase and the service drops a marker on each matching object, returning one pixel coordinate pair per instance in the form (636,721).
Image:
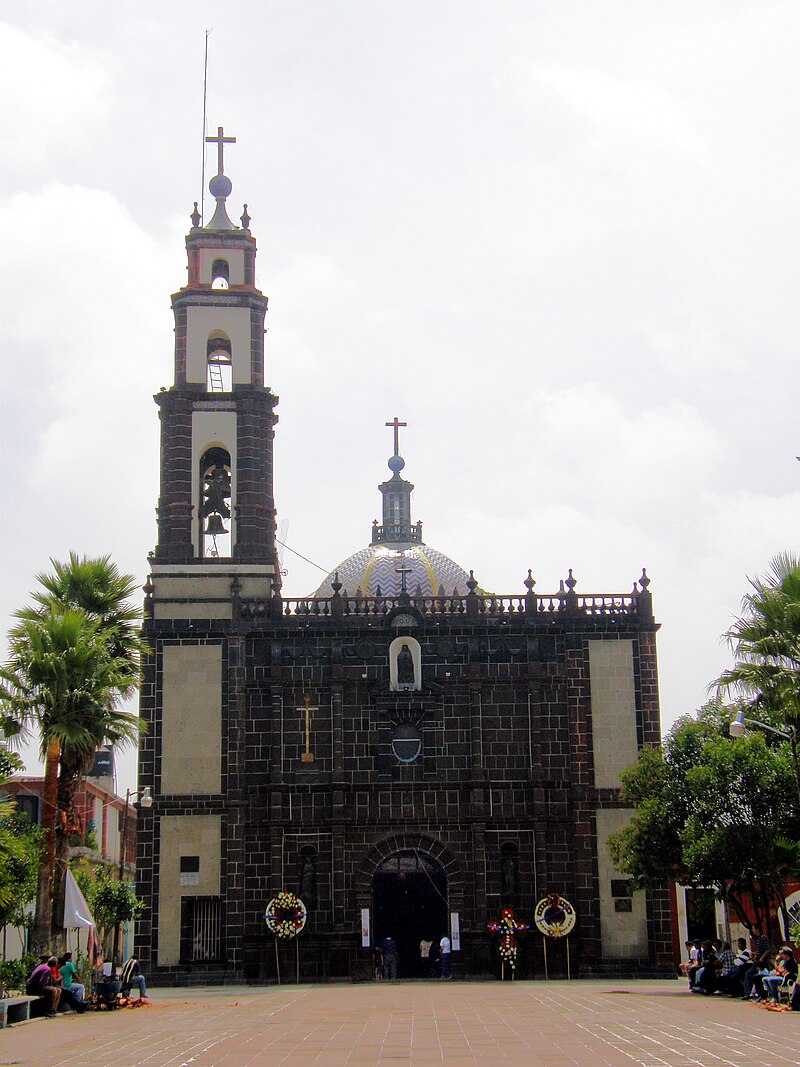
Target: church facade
(406,752)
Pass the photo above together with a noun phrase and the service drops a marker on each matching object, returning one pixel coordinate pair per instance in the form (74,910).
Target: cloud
(61,92)
(641,113)
(88,341)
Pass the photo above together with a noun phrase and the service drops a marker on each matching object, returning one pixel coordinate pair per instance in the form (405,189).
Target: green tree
(98,589)
(20,847)
(60,678)
(113,902)
(765,641)
(19,850)
(712,811)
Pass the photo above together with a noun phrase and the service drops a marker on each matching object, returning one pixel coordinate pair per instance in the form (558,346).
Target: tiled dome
(397,543)
(374,571)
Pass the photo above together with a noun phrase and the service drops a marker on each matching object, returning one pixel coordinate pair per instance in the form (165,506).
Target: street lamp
(738,728)
(145,801)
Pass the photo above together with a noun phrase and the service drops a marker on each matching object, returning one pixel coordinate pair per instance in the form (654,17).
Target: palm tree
(61,678)
(765,642)
(96,587)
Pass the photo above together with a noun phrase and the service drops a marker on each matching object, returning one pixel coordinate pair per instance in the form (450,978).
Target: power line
(325,570)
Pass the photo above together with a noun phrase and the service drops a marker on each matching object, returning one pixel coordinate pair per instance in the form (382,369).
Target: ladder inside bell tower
(216,384)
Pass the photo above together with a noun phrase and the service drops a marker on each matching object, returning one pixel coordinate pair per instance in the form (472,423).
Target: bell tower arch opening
(219,363)
(215,512)
(409,904)
(220,274)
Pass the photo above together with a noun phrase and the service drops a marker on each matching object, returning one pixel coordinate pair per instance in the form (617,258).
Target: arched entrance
(409,903)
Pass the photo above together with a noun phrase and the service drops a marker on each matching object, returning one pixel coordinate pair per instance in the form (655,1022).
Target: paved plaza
(538,1024)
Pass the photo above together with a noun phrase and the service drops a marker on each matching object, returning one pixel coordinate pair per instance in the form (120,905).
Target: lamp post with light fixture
(145,801)
(738,728)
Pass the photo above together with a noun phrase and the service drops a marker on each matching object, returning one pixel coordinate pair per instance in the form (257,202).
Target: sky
(558,239)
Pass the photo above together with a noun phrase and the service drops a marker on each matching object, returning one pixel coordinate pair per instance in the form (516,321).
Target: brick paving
(536,1024)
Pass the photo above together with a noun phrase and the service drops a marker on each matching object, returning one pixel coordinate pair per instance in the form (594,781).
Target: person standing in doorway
(390,959)
(444,954)
(425,958)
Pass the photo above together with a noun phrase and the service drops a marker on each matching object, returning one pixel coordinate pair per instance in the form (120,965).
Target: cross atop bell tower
(220,185)
(220,141)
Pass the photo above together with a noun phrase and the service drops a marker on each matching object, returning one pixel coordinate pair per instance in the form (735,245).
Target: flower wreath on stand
(286,915)
(508,928)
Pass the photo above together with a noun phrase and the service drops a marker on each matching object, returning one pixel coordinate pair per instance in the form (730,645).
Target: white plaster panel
(220,609)
(201,323)
(623,933)
(191,724)
(212,428)
(613,710)
(184,835)
(235,261)
(197,587)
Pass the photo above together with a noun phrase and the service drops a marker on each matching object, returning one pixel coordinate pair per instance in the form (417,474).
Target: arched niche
(307,875)
(509,872)
(405,665)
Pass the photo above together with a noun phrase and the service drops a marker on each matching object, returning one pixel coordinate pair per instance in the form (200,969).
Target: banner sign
(365,927)
(455,931)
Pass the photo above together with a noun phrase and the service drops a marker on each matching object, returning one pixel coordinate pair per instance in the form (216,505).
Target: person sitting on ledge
(785,968)
(40,984)
(725,967)
(132,976)
(742,964)
(68,982)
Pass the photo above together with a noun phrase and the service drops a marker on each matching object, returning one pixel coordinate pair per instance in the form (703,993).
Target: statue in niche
(308,879)
(508,871)
(405,666)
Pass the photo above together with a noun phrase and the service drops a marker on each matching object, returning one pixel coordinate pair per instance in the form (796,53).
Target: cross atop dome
(396,492)
(396,462)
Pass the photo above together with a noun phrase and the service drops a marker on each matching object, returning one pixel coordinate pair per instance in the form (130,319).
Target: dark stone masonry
(397,755)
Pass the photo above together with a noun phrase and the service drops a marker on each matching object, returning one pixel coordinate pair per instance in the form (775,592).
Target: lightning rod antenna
(205,130)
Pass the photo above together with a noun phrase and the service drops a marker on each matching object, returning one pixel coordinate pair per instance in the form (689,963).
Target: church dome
(376,571)
(398,560)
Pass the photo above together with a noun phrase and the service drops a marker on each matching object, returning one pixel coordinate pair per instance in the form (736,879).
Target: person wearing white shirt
(444,953)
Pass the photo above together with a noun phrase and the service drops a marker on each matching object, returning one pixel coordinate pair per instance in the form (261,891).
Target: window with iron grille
(201,929)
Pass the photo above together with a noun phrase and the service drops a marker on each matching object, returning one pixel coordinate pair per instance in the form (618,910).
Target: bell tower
(216,511)
(215,547)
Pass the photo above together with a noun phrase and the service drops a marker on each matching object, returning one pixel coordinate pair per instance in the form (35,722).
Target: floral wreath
(286,915)
(507,928)
(554,916)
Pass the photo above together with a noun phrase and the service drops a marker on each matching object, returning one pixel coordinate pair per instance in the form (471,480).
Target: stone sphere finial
(220,185)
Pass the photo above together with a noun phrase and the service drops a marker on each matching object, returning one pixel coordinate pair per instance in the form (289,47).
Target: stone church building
(404,750)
